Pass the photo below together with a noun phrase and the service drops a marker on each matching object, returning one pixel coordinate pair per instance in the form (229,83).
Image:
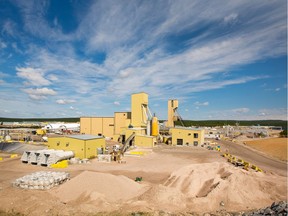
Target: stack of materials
(46,157)
(280,208)
(41,180)
(104,158)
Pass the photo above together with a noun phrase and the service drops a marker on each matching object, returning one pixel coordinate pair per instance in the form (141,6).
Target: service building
(187,136)
(83,146)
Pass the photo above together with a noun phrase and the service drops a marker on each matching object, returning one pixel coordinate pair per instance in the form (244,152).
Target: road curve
(259,159)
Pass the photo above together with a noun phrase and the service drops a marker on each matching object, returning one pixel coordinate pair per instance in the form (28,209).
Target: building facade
(187,136)
(83,146)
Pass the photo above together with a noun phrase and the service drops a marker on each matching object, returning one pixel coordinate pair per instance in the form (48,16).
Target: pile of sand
(89,186)
(197,187)
(204,186)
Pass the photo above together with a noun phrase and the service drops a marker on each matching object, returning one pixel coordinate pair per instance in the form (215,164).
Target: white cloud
(137,52)
(65,101)
(2,45)
(277,89)
(33,76)
(138,56)
(39,93)
(2,75)
(231,18)
(197,103)
(9,28)
(52,77)
(116,103)
(241,110)
(72,108)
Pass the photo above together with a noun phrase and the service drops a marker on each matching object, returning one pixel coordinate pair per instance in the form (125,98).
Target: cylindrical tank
(148,128)
(155,127)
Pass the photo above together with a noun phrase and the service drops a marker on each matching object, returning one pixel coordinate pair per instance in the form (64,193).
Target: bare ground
(175,179)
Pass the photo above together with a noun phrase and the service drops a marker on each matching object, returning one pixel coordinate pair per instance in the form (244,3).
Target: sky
(224,60)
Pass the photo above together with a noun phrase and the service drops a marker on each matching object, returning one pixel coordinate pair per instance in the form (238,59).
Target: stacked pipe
(41,180)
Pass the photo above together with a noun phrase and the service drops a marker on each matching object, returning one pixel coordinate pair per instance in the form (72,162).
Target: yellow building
(105,126)
(172,107)
(97,126)
(187,136)
(139,109)
(123,125)
(83,146)
(144,141)
(121,120)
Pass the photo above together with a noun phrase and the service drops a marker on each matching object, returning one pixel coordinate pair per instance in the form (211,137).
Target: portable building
(144,141)
(187,136)
(83,146)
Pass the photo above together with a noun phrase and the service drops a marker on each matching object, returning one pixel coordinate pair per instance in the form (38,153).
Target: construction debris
(41,180)
(280,208)
(104,158)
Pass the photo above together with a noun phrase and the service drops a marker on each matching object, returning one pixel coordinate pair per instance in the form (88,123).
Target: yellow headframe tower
(139,110)
(172,107)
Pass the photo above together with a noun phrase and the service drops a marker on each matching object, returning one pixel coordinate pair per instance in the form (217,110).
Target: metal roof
(85,137)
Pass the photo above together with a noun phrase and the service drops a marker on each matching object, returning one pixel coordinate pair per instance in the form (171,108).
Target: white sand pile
(92,186)
(209,184)
(202,187)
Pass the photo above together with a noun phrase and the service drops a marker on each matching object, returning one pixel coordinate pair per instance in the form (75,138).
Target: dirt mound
(93,186)
(204,186)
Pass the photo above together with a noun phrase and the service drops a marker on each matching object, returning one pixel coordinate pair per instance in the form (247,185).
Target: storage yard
(129,164)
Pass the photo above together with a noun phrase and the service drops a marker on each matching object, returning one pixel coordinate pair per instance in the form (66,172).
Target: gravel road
(253,156)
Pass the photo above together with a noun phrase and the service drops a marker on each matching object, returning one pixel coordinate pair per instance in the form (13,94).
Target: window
(67,144)
(179,141)
(195,135)
(189,134)
(58,143)
(195,143)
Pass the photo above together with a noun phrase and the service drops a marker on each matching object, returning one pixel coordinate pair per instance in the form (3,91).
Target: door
(179,141)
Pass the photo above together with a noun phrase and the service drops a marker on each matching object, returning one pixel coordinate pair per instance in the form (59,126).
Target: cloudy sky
(221,59)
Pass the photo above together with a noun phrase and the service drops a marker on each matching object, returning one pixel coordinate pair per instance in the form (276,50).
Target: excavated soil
(175,180)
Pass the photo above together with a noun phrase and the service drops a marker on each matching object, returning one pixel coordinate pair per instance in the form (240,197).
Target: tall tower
(139,110)
(172,107)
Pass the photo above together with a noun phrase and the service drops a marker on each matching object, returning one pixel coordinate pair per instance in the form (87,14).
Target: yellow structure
(172,107)
(41,132)
(106,126)
(13,155)
(83,146)
(187,136)
(123,125)
(145,141)
(155,126)
(60,164)
(97,126)
(139,110)
(121,120)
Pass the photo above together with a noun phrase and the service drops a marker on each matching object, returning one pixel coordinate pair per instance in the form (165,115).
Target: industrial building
(187,136)
(83,146)
(137,126)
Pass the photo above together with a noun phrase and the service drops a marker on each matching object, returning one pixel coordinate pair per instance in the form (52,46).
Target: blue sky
(221,59)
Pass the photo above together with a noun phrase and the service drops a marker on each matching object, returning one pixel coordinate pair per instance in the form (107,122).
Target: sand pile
(215,182)
(93,186)
(203,186)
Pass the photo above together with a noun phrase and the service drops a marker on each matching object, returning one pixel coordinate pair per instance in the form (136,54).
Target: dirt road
(258,158)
